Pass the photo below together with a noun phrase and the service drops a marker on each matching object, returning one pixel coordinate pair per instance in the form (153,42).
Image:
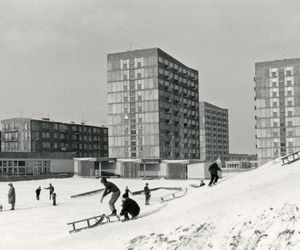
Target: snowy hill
(258,209)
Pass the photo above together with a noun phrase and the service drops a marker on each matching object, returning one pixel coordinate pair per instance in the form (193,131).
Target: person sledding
(213,169)
(110,188)
(129,207)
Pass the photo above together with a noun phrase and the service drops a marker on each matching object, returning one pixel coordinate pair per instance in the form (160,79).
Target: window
(289,83)
(125,88)
(288,72)
(289,93)
(139,75)
(274,74)
(290,113)
(139,98)
(139,86)
(290,123)
(274,104)
(275,124)
(274,94)
(275,114)
(290,103)
(125,99)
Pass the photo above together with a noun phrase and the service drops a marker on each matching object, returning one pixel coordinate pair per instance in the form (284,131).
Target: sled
(287,159)
(173,196)
(92,222)
(196,185)
(87,193)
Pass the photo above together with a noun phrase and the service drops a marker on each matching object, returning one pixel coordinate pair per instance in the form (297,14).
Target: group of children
(52,195)
(129,206)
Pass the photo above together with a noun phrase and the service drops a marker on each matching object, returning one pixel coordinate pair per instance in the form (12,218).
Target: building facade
(277,108)
(31,163)
(32,135)
(153,106)
(214,132)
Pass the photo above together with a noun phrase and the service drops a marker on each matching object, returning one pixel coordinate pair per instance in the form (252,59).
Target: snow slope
(258,209)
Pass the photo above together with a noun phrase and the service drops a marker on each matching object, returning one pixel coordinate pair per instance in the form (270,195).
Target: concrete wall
(62,166)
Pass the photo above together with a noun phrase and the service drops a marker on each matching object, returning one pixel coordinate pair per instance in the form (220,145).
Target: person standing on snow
(11,196)
(110,188)
(213,169)
(147,194)
(129,207)
(37,192)
(127,191)
(51,190)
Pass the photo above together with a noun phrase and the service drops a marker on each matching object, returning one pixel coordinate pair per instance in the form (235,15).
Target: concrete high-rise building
(33,135)
(153,106)
(277,108)
(214,135)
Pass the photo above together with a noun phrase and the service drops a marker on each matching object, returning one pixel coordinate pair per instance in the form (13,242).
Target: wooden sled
(173,196)
(91,222)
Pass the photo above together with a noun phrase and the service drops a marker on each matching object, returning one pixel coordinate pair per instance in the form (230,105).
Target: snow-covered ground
(258,209)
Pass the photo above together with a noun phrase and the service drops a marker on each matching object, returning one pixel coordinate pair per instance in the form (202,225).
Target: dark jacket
(51,188)
(147,190)
(110,187)
(214,168)
(38,191)
(130,206)
(11,195)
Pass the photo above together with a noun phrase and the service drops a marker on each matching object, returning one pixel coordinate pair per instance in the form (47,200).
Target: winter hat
(125,196)
(103,180)
(10,184)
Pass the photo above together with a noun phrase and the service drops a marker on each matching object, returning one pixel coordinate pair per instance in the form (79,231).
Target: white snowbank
(258,209)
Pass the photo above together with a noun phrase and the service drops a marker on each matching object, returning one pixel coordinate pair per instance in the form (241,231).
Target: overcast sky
(53,52)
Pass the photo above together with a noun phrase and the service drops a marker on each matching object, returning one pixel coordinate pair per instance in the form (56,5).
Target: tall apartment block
(277,108)
(153,106)
(32,135)
(214,135)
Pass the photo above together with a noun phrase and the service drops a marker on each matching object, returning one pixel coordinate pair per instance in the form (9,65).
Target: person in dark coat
(127,191)
(213,169)
(129,207)
(110,188)
(51,190)
(147,194)
(38,192)
(11,196)
(54,199)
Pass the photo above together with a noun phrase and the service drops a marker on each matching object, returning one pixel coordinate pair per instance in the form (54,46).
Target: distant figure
(213,169)
(110,188)
(147,194)
(54,199)
(129,207)
(37,192)
(51,190)
(1,207)
(127,191)
(11,196)
(202,183)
